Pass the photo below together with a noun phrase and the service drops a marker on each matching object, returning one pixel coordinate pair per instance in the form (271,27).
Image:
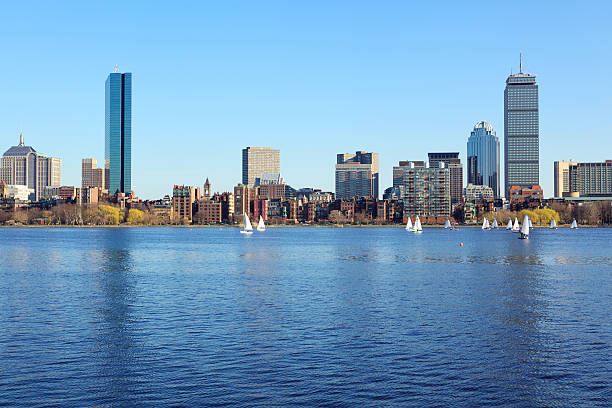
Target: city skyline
(381,92)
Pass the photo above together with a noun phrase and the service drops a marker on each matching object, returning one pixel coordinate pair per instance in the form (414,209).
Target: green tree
(135,217)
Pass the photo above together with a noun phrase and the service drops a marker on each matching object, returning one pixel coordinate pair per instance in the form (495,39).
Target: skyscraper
(455,168)
(91,175)
(561,179)
(257,161)
(357,175)
(521,131)
(483,157)
(425,191)
(118,132)
(22,165)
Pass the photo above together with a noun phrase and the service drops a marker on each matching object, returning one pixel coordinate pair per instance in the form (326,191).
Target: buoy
(461,244)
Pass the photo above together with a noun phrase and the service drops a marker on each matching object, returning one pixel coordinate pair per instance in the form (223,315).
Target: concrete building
(22,165)
(17,192)
(183,201)
(118,132)
(521,131)
(561,177)
(257,161)
(591,179)
(426,191)
(455,168)
(478,193)
(357,175)
(483,157)
(91,175)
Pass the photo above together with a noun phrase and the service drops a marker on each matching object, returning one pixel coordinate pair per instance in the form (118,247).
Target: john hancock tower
(118,132)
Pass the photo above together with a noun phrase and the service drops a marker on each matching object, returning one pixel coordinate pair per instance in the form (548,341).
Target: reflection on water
(304,317)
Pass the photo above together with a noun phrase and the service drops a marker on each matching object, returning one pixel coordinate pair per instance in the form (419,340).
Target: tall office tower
(455,168)
(22,165)
(591,179)
(521,131)
(562,177)
(425,191)
(357,175)
(118,132)
(483,157)
(91,175)
(257,161)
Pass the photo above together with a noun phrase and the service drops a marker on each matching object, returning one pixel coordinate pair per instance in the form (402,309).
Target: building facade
(426,190)
(591,179)
(118,132)
(521,131)
(91,175)
(22,165)
(183,201)
(257,161)
(525,197)
(357,175)
(455,168)
(561,177)
(483,157)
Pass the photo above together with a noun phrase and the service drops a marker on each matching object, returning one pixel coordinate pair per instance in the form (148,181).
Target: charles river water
(338,317)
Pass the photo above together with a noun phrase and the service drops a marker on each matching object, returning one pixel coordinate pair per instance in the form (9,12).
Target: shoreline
(280,226)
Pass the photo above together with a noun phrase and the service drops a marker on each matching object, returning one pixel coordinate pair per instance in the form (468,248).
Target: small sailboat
(417,225)
(525,228)
(261,226)
(553,224)
(485,225)
(494,223)
(409,226)
(509,226)
(449,226)
(516,227)
(248,228)
(530,224)
(574,224)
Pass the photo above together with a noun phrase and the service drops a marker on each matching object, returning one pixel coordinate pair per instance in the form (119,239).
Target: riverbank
(277,226)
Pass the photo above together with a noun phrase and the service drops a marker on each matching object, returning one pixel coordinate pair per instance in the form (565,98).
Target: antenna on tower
(116,68)
(21,138)
(521,62)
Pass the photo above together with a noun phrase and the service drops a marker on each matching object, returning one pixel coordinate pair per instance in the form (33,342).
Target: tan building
(183,200)
(91,175)
(209,212)
(356,175)
(22,165)
(257,161)
(271,191)
(561,177)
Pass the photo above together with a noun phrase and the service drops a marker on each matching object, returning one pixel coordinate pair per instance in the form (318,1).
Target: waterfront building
(591,179)
(357,175)
(478,193)
(91,175)
(483,157)
(257,161)
(183,201)
(561,177)
(259,208)
(22,165)
(118,132)
(16,192)
(426,191)
(525,197)
(242,198)
(271,186)
(455,168)
(209,212)
(521,131)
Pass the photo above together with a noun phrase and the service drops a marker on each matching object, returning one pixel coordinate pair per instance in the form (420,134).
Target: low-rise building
(525,197)
(183,201)
(17,192)
(209,212)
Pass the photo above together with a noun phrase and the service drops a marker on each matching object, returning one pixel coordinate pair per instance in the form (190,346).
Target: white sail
(448,224)
(574,224)
(485,224)
(261,226)
(509,226)
(409,225)
(417,224)
(553,223)
(247,223)
(530,224)
(525,227)
(494,223)
(516,225)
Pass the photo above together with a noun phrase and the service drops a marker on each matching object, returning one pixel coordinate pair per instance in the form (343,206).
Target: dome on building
(484,125)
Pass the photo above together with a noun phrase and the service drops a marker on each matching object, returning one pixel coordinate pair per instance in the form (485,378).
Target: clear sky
(312,79)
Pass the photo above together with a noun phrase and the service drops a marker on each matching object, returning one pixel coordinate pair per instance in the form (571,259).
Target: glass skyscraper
(483,157)
(118,132)
(521,131)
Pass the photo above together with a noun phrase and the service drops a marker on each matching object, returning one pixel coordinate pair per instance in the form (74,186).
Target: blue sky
(312,79)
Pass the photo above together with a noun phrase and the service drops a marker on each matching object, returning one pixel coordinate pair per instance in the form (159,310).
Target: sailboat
(494,223)
(509,226)
(417,225)
(574,224)
(516,227)
(553,224)
(485,225)
(525,228)
(248,228)
(261,226)
(530,224)
(409,225)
